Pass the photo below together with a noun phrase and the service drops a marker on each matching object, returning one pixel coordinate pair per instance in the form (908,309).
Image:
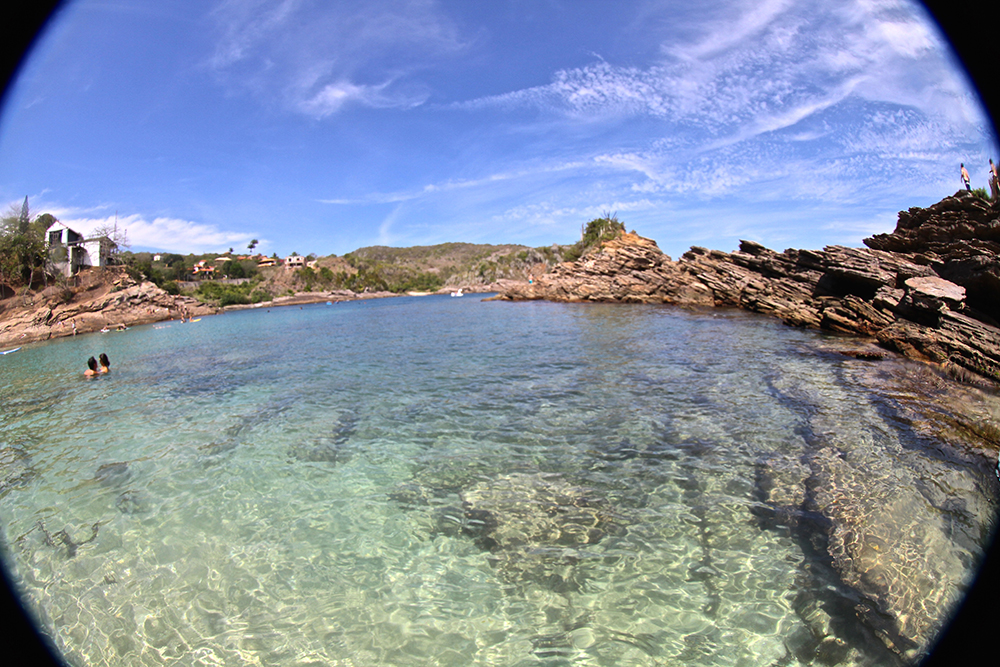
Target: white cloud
(167,234)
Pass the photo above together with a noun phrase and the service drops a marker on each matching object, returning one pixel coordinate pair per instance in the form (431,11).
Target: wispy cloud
(779,100)
(451,185)
(764,67)
(317,57)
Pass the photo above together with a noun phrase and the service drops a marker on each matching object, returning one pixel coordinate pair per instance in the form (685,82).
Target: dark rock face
(930,290)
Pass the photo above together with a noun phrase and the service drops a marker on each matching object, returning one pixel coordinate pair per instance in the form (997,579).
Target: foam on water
(452,482)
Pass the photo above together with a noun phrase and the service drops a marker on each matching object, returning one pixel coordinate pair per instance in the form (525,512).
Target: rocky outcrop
(103,298)
(930,290)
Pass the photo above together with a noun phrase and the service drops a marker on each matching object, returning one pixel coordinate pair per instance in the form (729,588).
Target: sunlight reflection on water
(435,480)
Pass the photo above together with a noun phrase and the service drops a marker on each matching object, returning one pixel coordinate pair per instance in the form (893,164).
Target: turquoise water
(444,481)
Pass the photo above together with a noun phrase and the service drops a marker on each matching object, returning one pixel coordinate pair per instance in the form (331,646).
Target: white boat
(457,293)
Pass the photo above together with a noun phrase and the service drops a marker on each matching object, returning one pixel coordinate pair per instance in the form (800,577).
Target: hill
(451,265)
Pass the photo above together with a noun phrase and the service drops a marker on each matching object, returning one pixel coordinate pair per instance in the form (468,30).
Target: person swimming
(91,368)
(105,364)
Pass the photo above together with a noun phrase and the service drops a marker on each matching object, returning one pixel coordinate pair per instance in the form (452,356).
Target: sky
(325,126)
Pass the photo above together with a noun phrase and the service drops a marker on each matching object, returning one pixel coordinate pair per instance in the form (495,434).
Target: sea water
(445,481)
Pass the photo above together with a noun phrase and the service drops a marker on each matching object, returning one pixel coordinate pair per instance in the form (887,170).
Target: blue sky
(321,127)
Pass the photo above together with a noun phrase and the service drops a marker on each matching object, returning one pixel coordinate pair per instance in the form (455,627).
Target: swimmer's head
(92,364)
(104,360)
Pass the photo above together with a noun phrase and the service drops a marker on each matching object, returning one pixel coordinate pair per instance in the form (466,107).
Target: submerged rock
(883,520)
(328,449)
(113,474)
(15,468)
(536,525)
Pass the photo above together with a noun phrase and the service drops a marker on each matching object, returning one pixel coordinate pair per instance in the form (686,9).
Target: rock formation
(930,290)
(102,298)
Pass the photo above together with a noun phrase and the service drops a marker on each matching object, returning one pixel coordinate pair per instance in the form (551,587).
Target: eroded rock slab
(928,291)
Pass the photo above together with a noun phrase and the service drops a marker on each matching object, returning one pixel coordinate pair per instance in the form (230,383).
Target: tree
(118,236)
(253,244)
(43,222)
(22,247)
(234,269)
(24,220)
(22,257)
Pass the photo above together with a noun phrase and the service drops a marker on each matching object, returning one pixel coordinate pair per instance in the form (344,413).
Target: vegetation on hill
(430,268)
(227,294)
(23,257)
(24,262)
(594,233)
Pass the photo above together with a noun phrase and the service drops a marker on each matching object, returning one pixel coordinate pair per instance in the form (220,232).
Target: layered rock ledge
(930,290)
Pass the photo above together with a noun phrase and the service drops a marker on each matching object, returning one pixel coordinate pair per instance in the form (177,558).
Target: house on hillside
(295,261)
(69,251)
(203,268)
(267,261)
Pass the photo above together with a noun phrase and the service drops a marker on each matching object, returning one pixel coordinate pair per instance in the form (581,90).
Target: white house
(294,261)
(203,267)
(69,251)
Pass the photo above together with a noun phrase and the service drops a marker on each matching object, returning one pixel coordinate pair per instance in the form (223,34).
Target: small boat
(9,351)
(457,293)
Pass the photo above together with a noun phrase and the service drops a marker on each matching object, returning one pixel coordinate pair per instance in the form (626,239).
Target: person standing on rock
(965,177)
(994,181)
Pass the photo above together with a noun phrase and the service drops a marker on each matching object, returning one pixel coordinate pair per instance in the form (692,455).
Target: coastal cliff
(930,290)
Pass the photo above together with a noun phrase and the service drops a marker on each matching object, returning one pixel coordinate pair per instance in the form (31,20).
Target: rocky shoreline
(110,298)
(929,291)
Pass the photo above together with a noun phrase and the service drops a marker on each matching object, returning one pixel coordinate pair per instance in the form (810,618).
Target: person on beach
(105,364)
(91,368)
(965,177)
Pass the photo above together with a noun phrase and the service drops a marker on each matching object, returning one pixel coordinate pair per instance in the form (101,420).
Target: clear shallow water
(445,481)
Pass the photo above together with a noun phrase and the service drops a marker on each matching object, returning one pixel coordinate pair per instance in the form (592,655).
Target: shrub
(593,234)
(231,297)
